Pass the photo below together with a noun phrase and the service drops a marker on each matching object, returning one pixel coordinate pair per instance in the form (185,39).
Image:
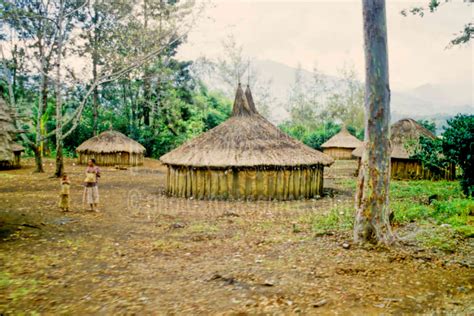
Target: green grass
(409,201)
(339,218)
(17,288)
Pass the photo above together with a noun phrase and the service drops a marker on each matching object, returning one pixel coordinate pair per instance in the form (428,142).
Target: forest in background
(72,69)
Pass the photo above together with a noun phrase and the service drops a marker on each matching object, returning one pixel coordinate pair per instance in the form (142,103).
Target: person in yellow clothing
(64,203)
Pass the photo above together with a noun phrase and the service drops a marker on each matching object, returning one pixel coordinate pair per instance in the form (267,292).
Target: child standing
(64,195)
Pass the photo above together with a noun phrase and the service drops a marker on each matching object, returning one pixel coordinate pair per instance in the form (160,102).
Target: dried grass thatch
(246,139)
(404,138)
(111,148)
(110,142)
(17,148)
(6,134)
(343,139)
(405,135)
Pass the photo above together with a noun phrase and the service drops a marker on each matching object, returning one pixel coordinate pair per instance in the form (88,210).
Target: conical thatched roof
(110,142)
(404,138)
(246,139)
(343,139)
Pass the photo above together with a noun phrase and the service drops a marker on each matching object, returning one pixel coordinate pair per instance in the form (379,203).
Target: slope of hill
(428,101)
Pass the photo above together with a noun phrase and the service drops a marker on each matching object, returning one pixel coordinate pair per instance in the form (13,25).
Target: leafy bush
(458,147)
(315,137)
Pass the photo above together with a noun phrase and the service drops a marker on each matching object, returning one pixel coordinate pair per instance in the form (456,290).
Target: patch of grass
(203,228)
(438,238)
(17,289)
(7,176)
(339,218)
(5,280)
(409,202)
(167,245)
(423,189)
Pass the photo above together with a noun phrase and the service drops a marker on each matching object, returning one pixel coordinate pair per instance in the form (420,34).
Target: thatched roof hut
(9,151)
(246,157)
(405,135)
(341,145)
(111,148)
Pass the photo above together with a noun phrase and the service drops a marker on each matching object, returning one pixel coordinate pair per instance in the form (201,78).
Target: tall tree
(29,24)
(234,67)
(372,197)
(62,22)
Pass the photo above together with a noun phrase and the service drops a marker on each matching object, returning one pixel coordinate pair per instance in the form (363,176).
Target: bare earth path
(146,253)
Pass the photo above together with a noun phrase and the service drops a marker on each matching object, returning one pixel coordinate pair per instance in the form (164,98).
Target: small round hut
(405,135)
(245,157)
(111,148)
(341,145)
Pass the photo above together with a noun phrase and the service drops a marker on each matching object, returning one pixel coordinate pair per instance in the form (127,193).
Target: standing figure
(91,190)
(64,194)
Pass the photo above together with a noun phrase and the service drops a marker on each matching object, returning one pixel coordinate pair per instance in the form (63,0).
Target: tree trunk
(146,74)
(42,104)
(372,198)
(59,133)
(95,61)
(38,159)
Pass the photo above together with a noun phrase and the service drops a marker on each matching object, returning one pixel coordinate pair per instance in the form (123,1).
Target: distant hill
(428,101)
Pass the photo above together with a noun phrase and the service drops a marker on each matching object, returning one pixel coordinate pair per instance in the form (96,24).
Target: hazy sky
(329,33)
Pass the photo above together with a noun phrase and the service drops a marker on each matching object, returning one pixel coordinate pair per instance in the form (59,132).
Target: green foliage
(183,114)
(458,147)
(429,125)
(430,152)
(410,202)
(316,136)
(340,217)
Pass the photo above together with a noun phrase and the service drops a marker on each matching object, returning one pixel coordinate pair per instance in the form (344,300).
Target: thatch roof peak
(404,136)
(246,139)
(343,139)
(241,105)
(110,142)
(249,97)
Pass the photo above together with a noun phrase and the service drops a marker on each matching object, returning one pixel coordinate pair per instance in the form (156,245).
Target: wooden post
(372,197)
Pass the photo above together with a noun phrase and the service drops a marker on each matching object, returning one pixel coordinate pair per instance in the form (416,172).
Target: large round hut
(245,157)
(341,145)
(111,148)
(405,135)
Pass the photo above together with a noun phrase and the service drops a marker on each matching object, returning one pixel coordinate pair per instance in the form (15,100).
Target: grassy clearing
(16,288)
(447,212)
(339,218)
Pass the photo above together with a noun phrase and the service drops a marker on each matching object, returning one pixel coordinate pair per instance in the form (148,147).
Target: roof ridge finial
(241,105)
(249,97)
(248,73)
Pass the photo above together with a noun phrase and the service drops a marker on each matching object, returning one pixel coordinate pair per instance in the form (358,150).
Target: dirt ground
(146,253)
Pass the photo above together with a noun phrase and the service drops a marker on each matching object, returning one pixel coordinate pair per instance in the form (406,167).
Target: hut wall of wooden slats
(410,169)
(112,159)
(339,153)
(245,183)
